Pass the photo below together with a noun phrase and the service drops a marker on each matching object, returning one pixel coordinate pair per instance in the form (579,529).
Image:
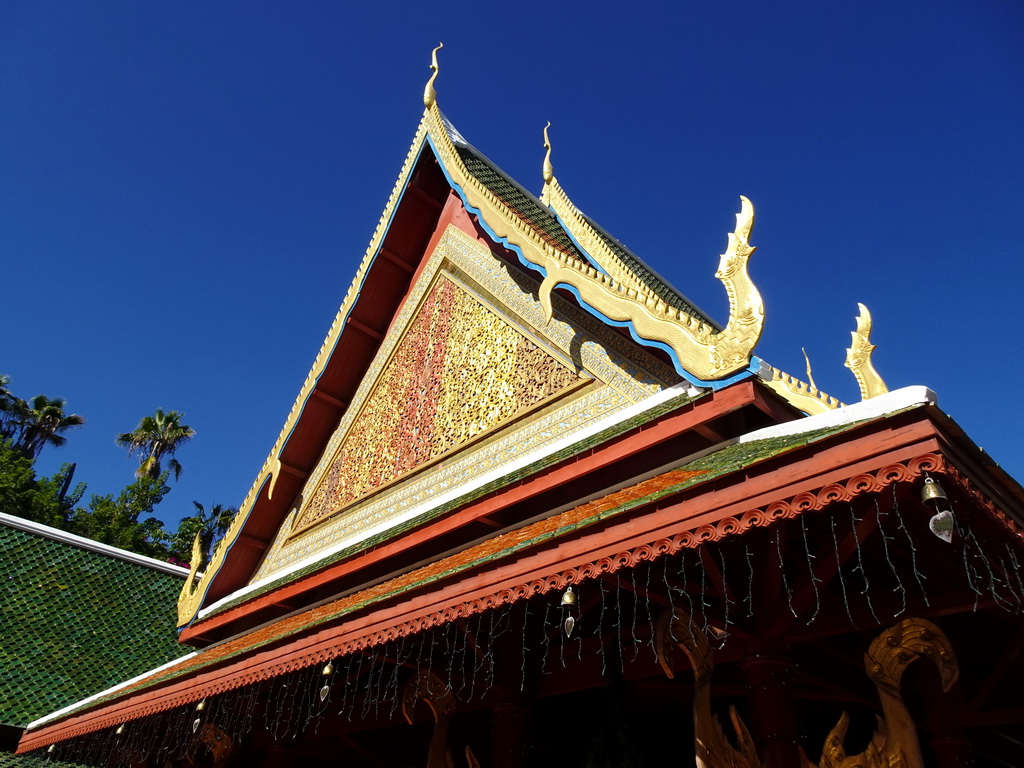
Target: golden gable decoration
(459,372)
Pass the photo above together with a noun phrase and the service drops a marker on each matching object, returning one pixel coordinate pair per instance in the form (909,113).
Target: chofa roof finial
(549,171)
(429,94)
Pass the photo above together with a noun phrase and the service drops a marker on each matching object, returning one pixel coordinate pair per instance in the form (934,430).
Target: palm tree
(157,436)
(39,422)
(7,401)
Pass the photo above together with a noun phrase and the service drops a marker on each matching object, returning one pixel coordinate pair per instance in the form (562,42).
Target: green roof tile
(74,622)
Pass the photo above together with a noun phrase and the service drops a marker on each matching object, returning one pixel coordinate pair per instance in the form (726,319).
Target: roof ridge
(64,537)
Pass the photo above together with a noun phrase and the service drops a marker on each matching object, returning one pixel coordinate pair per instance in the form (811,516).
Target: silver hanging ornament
(942,523)
(195,724)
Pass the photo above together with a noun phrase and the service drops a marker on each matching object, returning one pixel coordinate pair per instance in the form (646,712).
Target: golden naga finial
(429,94)
(549,170)
(858,358)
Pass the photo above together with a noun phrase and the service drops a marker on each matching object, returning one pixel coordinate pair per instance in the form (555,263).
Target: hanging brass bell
(120,729)
(933,495)
(569,598)
(328,670)
(201,706)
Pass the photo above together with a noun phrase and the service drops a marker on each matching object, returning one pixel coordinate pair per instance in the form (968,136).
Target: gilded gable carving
(459,372)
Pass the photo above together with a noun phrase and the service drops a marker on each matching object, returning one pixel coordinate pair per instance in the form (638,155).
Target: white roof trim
(64,537)
(881,405)
(113,689)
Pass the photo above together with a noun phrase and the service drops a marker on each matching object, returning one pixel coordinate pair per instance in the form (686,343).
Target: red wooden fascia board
(807,468)
(703,410)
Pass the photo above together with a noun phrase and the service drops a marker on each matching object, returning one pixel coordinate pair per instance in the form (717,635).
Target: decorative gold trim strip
(807,397)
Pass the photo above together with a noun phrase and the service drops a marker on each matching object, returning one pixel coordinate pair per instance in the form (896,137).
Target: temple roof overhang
(770,474)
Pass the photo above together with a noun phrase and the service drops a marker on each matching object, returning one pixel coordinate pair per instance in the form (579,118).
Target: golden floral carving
(459,371)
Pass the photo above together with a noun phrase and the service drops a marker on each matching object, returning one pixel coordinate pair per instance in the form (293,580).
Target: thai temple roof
(77,617)
(508,402)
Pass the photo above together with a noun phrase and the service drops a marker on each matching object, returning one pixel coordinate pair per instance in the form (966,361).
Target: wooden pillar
(772,709)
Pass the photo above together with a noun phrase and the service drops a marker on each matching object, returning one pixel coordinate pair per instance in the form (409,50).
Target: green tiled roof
(8,760)
(74,622)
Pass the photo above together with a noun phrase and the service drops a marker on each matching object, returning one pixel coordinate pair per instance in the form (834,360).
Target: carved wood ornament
(426,686)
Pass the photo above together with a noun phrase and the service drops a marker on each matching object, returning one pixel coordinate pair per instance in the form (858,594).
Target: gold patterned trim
(807,397)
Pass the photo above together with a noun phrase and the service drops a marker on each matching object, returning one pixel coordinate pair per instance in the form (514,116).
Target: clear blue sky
(186,188)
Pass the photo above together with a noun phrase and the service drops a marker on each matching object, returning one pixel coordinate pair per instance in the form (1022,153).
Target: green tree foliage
(126,521)
(44,500)
(211,527)
(31,425)
(157,436)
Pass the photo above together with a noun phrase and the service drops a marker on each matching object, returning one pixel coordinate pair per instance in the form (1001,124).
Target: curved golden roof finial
(549,170)
(858,358)
(429,94)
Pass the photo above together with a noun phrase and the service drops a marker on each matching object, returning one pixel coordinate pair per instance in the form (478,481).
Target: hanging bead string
(987,560)
(545,639)
(969,572)
(636,613)
(648,567)
(839,569)
(618,623)
(703,589)
(913,550)
(886,538)
(992,580)
(782,571)
(748,556)
(600,626)
(524,648)
(689,604)
(669,593)
(860,564)
(810,569)
(726,600)
(1015,570)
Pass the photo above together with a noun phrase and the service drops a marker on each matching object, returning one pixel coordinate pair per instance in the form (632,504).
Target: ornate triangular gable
(469,379)
(454,219)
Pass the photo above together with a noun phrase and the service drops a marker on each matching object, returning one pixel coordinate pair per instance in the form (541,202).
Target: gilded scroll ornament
(858,358)
(714,750)
(895,743)
(621,295)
